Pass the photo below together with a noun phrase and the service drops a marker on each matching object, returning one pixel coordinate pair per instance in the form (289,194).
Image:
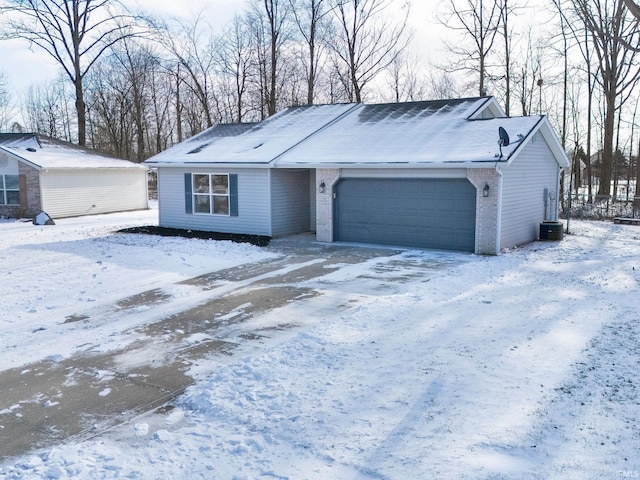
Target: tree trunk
(81,111)
(607,150)
(507,58)
(178,107)
(311,80)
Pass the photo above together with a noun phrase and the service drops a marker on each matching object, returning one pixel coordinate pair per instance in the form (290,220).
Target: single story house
(433,174)
(42,174)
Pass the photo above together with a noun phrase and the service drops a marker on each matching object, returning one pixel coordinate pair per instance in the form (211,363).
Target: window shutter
(188,193)
(233,194)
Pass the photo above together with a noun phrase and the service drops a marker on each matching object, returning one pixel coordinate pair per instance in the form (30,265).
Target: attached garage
(426,213)
(437,174)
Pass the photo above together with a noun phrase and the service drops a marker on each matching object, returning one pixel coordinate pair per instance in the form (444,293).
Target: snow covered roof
(47,153)
(459,132)
(258,143)
(417,133)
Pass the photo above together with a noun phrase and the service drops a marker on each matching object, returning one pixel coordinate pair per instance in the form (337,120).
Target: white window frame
(4,190)
(211,194)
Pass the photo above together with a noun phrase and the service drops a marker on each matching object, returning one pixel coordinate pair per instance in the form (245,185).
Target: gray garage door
(428,213)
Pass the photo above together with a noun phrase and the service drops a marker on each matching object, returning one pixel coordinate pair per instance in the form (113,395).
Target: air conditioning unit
(551,230)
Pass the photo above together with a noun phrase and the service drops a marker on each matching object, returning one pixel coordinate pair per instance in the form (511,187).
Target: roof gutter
(398,165)
(206,165)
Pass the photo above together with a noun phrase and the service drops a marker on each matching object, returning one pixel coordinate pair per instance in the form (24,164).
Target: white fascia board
(142,168)
(399,165)
(551,139)
(19,158)
(490,104)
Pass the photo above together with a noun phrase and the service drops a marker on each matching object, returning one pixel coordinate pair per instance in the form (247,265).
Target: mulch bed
(258,240)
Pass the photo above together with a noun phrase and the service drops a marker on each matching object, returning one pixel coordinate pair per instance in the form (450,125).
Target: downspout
(557,202)
(570,192)
(499,212)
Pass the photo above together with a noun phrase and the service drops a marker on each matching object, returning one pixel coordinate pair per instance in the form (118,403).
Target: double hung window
(9,190)
(210,194)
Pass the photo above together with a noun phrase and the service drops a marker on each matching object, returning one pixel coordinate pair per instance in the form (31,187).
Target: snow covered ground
(419,365)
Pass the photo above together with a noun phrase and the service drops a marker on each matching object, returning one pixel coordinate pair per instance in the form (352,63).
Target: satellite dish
(504,137)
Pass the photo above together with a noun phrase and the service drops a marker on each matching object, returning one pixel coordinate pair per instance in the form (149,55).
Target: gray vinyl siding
(523,187)
(253,202)
(70,193)
(291,205)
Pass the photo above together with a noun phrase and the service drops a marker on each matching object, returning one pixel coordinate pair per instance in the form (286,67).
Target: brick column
(324,203)
(487,210)
(31,177)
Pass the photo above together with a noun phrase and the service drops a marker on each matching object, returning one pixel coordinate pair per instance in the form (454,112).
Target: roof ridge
(323,127)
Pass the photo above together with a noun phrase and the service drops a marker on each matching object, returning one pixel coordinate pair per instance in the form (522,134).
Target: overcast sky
(25,66)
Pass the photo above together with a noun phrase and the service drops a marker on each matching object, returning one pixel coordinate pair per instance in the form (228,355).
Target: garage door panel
(429,213)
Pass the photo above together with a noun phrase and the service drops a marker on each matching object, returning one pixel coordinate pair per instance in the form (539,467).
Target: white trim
(492,106)
(270,206)
(211,194)
(221,165)
(404,173)
(4,190)
(499,212)
(544,128)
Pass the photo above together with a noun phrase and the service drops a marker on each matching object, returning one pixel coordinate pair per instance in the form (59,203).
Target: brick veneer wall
(487,210)
(324,203)
(30,205)
(34,204)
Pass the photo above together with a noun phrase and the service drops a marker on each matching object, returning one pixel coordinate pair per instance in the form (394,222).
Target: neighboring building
(423,174)
(42,174)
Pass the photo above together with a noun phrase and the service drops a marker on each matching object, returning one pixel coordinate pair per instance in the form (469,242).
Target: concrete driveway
(85,395)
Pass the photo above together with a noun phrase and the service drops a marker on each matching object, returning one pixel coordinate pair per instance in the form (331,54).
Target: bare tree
(610,29)
(311,17)
(159,133)
(5,101)
(507,35)
(442,85)
(137,64)
(405,80)
(273,20)
(633,7)
(46,109)
(236,63)
(479,21)
(366,42)
(127,94)
(573,23)
(74,32)
(111,128)
(528,73)
(564,53)
(191,44)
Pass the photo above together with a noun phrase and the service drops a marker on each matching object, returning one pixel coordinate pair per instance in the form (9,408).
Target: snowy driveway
(93,384)
(367,364)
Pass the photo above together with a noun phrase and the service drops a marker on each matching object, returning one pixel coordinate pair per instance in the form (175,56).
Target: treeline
(157,81)
(133,85)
